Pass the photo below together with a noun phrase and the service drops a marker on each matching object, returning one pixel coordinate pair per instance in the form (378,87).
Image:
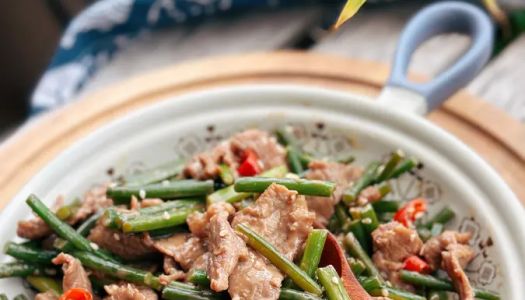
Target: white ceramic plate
(453,174)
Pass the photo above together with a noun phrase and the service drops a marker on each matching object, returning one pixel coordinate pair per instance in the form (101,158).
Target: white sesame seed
(223,233)
(142,194)
(166,216)
(291,176)
(335,280)
(384,292)
(94,246)
(366,221)
(116,236)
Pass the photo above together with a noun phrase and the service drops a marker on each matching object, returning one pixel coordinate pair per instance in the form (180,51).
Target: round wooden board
(489,131)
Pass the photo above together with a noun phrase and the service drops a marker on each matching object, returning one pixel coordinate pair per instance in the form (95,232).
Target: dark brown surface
(29,33)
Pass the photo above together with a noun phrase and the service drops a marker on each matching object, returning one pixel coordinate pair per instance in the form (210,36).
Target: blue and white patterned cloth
(94,36)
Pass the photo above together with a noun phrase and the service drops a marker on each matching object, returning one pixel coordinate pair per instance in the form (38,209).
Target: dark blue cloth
(94,36)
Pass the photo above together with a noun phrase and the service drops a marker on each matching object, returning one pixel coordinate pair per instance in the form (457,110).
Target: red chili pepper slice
(411,211)
(77,294)
(416,264)
(250,165)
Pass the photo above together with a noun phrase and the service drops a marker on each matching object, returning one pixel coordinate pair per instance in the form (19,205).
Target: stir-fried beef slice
(134,204)
(393,243)
(171,272)
(202,166)
(225,249)
(201,263)
(342,175)
(169,265)
(255,278)
(199,222)
(183,247)
(36,228)
(150,202)
(269,152)
(49,295)
(74,274)
(206,165)
(94,200)
(33,229)
(166,279)
(369,195)
(127,246)
(453,267)
(463,253)
(281,216)
(390,270)
(432,249)
(129,291)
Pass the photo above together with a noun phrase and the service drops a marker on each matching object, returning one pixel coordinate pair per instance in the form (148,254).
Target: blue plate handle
(436,19)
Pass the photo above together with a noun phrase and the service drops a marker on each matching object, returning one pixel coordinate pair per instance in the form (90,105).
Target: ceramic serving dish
(328,123)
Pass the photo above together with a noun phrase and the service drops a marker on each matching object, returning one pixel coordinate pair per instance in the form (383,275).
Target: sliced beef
(255,278)
(369,195)
(169,265)
(199,222)
(127,246)
(206,165)
(201,263)
(454,269)
(33,229)
(166,279)
(129,291)
(150,202)
(74,274)
(93,200)
(432,249)
(134,205)
(269,152)
(342,175)
(186,249)
(49,295)
(281,216)
(393,243)
(451,251)
(463,253)
(225,248)
(171,272)
(390,270)
(36,228)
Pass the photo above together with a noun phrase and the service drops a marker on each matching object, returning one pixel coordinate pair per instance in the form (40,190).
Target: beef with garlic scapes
(234,222)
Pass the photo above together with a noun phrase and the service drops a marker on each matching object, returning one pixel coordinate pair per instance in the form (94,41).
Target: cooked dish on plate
(255,217)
